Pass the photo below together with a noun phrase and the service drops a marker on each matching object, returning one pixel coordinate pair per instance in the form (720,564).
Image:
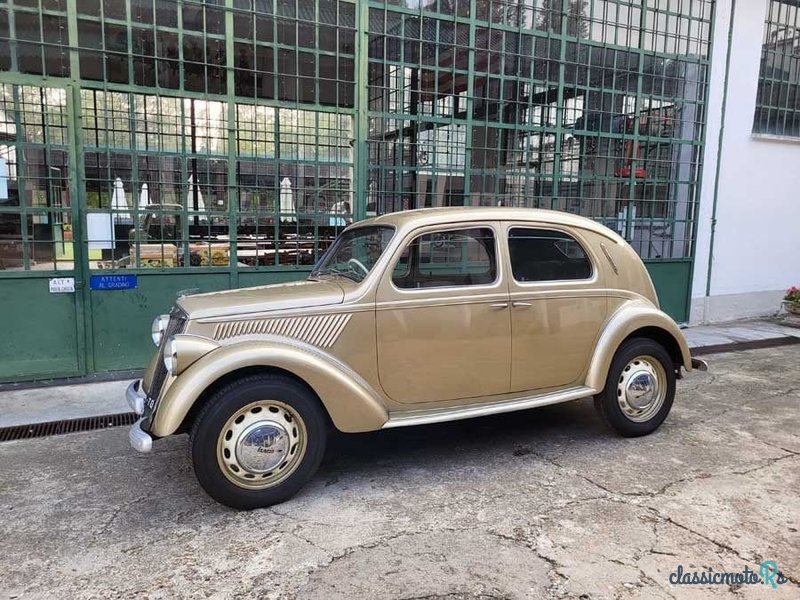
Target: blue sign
(113,282)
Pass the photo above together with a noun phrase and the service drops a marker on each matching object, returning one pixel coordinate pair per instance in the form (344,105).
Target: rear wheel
(257,441)
(639,390)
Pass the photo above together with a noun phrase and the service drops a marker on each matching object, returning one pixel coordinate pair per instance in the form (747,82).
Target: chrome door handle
(517,304)
(499,305)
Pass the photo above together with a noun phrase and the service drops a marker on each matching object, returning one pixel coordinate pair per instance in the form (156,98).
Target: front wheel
(639,390)
(257,441)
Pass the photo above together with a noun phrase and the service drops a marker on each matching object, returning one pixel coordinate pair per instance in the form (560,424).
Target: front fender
(350,401)
(629,318)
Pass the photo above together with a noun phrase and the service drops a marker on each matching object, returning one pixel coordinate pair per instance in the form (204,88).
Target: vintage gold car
(408,319)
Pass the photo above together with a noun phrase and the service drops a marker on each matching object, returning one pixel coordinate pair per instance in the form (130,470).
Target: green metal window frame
(36,145)
(584,83)
(566,45)
(778,98)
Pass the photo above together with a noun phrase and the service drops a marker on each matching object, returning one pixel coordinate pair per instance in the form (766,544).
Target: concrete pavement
(541,504)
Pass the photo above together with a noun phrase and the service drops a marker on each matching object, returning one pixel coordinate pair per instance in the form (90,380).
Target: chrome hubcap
(261,444)
(641,388)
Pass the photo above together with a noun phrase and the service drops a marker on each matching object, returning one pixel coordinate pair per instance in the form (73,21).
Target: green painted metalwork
(262,127)
(778,99)
(670,278)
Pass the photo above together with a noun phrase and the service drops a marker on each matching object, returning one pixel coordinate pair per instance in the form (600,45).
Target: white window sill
(769,137)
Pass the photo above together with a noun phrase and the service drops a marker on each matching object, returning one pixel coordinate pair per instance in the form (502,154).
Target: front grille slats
(176,325)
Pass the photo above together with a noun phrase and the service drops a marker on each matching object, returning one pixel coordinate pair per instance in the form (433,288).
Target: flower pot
(792,307)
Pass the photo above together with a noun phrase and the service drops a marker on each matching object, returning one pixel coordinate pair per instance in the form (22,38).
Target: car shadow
(519,432)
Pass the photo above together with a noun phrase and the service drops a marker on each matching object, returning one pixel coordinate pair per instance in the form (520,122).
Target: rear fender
(627,320)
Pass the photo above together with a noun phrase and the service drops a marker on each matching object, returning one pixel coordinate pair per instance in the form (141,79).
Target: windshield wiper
(334,271)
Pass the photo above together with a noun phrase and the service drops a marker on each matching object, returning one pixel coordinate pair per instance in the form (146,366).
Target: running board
(440,415)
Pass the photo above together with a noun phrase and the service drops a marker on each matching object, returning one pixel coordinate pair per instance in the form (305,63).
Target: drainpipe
(719,150)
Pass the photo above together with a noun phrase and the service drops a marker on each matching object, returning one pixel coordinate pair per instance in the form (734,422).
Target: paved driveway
(546,503)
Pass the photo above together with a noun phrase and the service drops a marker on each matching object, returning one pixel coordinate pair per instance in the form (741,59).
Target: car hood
(281,296)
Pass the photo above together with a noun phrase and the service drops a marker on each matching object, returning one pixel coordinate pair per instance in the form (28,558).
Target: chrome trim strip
(439,415)
(135,397)
(608,256)
(141,441)
(441,301)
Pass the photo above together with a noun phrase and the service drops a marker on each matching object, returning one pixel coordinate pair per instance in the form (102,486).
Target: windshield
(355,252)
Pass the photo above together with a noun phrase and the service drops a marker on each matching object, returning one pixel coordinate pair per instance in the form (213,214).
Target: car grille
(177,323)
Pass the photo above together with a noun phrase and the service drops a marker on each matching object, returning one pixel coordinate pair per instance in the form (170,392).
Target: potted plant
(792,300)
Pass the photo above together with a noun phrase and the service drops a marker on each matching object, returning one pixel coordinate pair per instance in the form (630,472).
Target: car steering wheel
(354,262)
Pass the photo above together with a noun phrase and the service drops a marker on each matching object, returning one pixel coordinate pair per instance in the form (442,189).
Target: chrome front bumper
(139,439)
(135,397)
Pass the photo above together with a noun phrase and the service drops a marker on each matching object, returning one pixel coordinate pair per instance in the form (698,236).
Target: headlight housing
(171,355)
(181,351)
(158,328)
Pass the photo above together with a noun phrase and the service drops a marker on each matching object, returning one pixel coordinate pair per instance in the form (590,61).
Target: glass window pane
(458,257)
(546,255)
(778,94)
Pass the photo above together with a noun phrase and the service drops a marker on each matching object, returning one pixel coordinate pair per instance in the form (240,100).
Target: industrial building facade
(153,146)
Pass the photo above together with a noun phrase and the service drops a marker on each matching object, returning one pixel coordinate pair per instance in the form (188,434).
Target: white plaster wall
(756,252)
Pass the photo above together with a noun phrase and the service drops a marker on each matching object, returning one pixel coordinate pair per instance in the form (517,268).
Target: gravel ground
(540,504)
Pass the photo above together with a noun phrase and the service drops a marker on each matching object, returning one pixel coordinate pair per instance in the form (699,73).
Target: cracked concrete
(542,504)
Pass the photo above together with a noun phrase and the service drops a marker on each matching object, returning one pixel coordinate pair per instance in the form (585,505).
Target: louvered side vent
(321,331)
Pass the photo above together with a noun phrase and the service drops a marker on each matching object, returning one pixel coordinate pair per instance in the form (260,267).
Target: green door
(40,303)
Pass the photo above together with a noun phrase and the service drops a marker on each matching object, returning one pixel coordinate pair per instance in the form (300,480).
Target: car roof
(455,214)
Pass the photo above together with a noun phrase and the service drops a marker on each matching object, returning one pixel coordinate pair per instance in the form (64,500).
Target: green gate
(220,144)
(40,287)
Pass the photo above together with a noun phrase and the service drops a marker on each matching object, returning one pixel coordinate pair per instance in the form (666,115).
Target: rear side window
(455,257)
(546,255)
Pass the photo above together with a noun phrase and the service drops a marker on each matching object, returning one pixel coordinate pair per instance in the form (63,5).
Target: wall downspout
(719,150)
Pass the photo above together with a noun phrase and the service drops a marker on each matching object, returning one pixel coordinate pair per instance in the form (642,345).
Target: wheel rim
(261,444)
(642,388)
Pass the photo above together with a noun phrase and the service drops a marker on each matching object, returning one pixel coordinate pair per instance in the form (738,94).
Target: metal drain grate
(24,432)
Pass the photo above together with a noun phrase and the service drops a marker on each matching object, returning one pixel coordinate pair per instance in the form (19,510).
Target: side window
(546,255)
(402,268)
(448,258)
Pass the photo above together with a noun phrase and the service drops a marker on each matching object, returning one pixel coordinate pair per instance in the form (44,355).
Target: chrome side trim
(141,441)
(319,330)
(608,257)
(439,415)
(135,397)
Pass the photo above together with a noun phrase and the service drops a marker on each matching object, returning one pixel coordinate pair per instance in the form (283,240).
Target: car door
(442,316)
(558,305)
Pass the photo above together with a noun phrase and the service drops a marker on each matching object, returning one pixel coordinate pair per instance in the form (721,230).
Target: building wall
(756,246)
(261,127)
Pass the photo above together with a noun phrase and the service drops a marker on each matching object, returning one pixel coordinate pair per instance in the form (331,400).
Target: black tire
(216,414)
(608,404)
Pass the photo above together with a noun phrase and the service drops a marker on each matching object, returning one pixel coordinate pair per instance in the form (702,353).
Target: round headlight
(158,328)
(171,355)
